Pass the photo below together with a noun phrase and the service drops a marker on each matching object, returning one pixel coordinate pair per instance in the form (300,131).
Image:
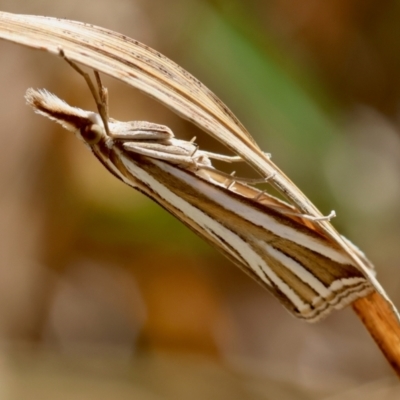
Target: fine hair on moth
(266,237)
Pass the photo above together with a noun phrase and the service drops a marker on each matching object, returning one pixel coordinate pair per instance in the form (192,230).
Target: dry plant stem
(382,325)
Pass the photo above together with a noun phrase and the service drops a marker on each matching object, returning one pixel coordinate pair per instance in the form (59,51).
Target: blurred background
(104,295)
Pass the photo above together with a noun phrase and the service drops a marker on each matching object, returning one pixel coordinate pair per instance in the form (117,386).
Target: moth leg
(222,157)
(259,195)
(312,218)
(229,159)
(328,217)
(157,152)
(100,94)
(249,181)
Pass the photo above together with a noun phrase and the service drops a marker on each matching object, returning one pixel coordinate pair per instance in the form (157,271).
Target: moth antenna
(100,94)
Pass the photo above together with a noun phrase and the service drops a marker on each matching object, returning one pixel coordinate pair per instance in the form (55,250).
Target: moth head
(85,124)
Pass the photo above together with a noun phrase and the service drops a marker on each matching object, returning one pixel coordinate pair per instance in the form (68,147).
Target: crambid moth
(266,237)
(147,70)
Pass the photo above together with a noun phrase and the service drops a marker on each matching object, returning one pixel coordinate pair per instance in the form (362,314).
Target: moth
(285,251)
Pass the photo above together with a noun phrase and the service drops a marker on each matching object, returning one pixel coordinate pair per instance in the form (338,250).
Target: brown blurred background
(104,295)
